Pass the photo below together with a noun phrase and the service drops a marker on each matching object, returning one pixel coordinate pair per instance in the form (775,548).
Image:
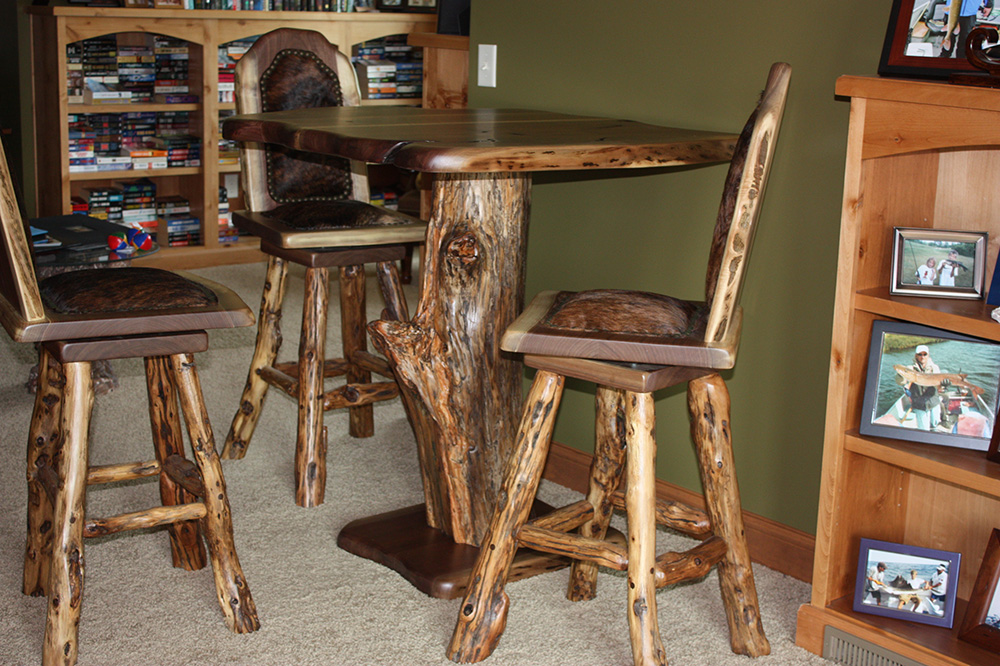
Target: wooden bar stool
(632,344)
(93,315)
(312,210)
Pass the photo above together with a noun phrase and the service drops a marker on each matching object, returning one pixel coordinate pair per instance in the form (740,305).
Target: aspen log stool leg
(313,211)
(193,492)
(632,344)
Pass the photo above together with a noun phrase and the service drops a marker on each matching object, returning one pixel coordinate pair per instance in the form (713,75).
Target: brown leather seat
(94,315)
(632,344)
(313,210)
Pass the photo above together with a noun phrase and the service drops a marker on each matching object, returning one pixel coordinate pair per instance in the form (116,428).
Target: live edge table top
(480,140)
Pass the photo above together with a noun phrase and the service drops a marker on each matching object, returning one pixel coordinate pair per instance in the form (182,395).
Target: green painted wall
(698,65)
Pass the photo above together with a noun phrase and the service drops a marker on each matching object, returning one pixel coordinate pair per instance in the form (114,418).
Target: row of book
(128,68)
(134,140)
(282,5)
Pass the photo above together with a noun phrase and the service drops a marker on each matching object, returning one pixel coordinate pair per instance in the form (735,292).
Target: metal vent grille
(843,648)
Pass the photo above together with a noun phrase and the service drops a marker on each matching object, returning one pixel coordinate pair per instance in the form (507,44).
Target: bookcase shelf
(918,155)
(53,28)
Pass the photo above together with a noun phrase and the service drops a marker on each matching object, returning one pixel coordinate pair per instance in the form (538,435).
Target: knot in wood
(464,248)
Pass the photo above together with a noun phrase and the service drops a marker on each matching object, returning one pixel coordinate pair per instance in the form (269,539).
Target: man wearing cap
(875,585)
(938,585)
(924,400)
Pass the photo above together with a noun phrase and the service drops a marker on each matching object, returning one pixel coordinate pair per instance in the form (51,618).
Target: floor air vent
(843,648)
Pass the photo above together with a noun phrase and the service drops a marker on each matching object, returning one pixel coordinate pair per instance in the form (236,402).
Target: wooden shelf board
(934,646)
(129,173)
(971,317)
(961,467)
(129,108)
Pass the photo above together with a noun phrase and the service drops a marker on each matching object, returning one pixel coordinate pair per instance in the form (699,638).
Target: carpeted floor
(317,604)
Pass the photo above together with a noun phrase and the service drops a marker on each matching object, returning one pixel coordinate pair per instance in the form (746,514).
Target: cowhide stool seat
(631,344)
(93,315)
(312,211)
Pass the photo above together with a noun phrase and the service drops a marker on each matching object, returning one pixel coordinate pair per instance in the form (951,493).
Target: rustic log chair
(78,318)
(632,344)
(312,210)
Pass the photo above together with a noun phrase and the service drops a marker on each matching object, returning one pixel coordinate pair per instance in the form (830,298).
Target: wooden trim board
(776,546)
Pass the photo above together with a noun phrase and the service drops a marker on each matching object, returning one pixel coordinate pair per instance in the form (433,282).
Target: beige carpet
(317,604)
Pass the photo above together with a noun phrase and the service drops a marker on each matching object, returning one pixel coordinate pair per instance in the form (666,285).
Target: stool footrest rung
(348,395)
(372,363)
(566,518)
(122,471)
(332,367)
(681,517)
(694,563)
(160,515)
(575,546)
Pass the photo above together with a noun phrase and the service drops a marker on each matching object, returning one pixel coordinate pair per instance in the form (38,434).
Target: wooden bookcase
(918,155)
(52,28)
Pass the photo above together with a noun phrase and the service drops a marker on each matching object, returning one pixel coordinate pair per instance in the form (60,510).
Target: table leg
(448,358)
(463,397)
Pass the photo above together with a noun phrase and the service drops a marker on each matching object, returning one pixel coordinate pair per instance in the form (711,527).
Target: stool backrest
(741,203)
(289,69)
(20,301)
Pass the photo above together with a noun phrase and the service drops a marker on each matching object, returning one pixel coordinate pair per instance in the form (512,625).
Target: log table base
(428,558)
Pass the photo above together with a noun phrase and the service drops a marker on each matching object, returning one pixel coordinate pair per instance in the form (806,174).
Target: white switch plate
(487,65)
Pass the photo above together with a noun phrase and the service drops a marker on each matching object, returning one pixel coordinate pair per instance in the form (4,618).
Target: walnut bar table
(462,396)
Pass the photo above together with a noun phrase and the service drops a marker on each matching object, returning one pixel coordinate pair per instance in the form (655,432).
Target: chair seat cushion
(122,290)
(617,312)
(618,325)
(320,215)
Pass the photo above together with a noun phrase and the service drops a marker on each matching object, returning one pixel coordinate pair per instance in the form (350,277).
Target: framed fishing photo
(907,582)
(981,624)
(936,262)
(928,385)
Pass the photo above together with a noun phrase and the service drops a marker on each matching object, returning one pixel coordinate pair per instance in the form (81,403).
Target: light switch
(488,65)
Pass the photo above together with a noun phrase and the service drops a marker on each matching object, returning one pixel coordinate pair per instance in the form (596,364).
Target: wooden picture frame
(168,4)
(914,40)
(918,584)
(137,4)
(981,624)
(955,405)
(939,263)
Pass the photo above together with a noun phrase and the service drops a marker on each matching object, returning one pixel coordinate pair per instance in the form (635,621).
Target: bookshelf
(54,28)
(919,154)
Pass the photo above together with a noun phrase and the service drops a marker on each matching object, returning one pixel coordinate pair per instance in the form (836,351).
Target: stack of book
(172,71)
(105,203)
(229,54)
(136,72)
(99,64)
(389,68)
(139,203)
(81,145)
(229,151)
(182,150)
(183,228)
(227,232)
(74,73)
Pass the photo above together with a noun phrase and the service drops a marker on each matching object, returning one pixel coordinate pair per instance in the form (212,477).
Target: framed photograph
(907,582)
(133,4)
(415,6)
(981,624)
(932,386)
(935,262)
(919,43)
(168,4)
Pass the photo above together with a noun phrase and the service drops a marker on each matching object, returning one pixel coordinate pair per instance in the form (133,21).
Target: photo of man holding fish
(931,386)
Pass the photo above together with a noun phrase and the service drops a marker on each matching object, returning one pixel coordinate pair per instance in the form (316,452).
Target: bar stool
(82,317)
(312,211)
(631,344)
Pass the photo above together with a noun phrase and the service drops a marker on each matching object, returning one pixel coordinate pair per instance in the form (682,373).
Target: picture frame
(411,6)
(168,4)
(981,624)
(907,582)
(915,38)
(938,262)
(953,405)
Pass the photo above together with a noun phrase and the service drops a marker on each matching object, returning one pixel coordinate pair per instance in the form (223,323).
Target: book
(78,232)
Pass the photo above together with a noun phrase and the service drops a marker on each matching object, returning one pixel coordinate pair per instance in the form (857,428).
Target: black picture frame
(961,412)
(912,45)
(896,598)
(409,6)
(938,263)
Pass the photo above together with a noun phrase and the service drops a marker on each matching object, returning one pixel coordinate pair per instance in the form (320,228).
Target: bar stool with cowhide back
(632,344)
(312,210)
(81,317)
